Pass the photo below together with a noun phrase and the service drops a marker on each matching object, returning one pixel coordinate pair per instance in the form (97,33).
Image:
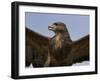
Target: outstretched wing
(80,51)
(36,48)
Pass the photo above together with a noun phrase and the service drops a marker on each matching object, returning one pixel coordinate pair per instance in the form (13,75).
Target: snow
(84,63)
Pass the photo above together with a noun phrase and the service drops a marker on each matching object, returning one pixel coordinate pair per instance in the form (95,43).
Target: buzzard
(60,50)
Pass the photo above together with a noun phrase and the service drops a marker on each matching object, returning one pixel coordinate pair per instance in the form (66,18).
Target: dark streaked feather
(38,45)
(80,51)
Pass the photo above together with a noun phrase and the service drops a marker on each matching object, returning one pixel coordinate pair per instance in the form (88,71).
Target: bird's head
(57,27)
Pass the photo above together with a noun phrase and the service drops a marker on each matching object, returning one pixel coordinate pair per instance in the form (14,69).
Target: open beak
(51,27)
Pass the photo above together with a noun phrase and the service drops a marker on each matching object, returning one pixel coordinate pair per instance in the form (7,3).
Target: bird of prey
(60,50)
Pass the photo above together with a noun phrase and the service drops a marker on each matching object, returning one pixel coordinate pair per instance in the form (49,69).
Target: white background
(31,71)
(5,40)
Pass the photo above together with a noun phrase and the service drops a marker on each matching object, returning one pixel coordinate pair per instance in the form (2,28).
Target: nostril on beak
(50,25)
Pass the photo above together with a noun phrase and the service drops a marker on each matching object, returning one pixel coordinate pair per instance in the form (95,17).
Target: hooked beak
(51,27)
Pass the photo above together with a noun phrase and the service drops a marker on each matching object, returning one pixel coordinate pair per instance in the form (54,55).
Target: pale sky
(77,25)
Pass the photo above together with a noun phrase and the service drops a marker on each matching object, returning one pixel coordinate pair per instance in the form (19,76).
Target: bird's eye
(55,24)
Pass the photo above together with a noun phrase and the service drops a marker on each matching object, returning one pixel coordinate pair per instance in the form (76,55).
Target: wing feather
(36,48)
(80,51)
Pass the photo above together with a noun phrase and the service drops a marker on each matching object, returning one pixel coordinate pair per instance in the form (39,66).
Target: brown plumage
(59,50)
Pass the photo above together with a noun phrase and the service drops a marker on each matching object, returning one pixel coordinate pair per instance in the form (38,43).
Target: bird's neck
(62,35)
(60,38)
